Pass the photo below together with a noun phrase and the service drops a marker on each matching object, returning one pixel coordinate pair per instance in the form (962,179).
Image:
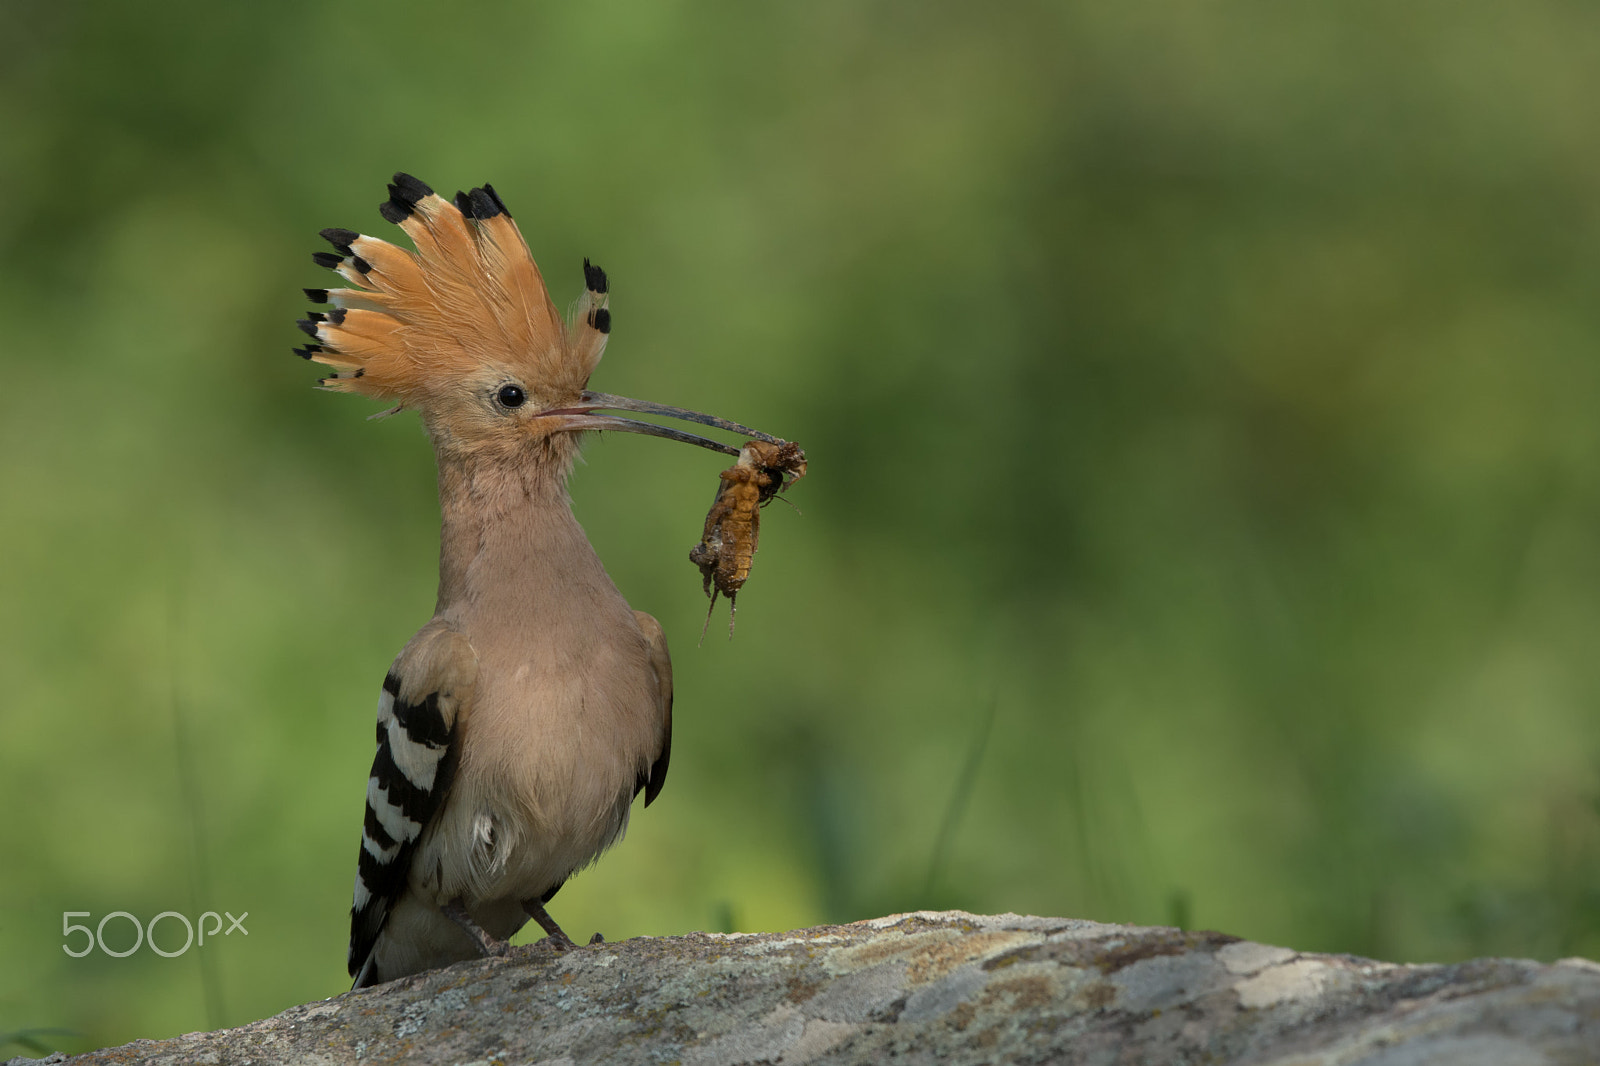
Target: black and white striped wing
(420,714)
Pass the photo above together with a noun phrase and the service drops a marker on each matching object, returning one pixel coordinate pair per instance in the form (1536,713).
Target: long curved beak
(604,401)
(582,417)
(575,419)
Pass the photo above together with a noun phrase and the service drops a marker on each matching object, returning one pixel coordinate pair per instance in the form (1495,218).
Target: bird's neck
(508,536)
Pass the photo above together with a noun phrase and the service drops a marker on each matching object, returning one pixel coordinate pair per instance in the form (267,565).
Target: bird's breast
(562,725)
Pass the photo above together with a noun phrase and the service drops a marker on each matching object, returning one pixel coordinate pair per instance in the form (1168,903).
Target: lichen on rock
(931,987)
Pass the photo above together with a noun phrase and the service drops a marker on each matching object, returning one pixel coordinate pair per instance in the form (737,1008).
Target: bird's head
(463,330)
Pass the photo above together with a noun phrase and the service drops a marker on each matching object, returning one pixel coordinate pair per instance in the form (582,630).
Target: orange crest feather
(470,297)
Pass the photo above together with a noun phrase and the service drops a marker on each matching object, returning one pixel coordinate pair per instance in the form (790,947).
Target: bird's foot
(553,932)
(456,911)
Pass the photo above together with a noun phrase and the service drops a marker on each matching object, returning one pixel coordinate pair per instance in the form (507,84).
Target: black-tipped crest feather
(499,203)
(340,238)
(481,204)
(404,192)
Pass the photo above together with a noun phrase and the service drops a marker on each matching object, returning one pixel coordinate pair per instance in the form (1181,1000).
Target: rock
(945,987)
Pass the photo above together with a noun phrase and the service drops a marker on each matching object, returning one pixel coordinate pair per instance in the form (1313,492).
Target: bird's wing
(426,698)
(661,662)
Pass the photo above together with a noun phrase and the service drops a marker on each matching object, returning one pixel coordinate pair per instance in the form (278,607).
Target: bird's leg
(456,911)
(558,939)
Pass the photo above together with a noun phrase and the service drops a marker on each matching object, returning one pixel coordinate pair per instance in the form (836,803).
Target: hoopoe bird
(517,726)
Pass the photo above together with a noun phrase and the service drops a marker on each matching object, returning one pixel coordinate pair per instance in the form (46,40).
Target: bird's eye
(511,396)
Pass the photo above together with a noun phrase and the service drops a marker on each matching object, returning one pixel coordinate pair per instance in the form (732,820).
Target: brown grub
(727,545)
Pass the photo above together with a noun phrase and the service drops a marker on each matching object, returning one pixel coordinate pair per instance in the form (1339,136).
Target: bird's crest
(412,324)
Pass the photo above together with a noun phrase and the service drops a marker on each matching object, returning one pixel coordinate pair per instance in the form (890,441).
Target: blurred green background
(1204,520)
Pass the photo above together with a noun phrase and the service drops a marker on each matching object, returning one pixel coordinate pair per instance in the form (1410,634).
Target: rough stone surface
(933,987)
